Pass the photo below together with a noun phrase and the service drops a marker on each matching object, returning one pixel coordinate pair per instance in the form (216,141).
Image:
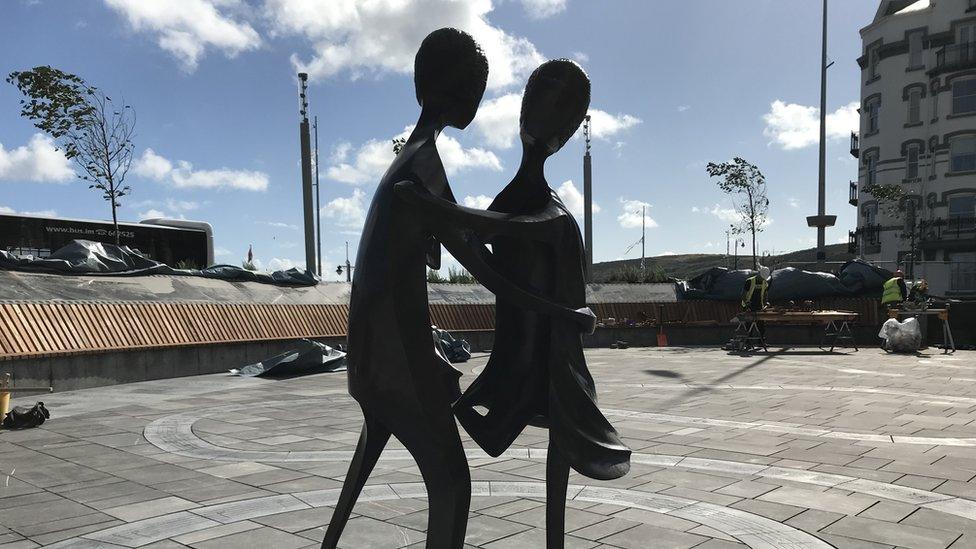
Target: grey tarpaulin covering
(855,278)
(308,357)
(456,350)
(97,258)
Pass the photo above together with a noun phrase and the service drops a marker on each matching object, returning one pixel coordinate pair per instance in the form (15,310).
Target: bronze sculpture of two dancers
(537,373)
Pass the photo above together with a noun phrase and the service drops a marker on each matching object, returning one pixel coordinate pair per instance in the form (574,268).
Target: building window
(962,272)
(874,58)
(962,154)
(964,96)
(935,105)
(911,166)
(914,106)
(871,176)
(962,211)
(915,50)
(872,109)
(871,214)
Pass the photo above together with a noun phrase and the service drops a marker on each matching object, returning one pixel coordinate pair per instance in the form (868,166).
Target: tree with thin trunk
(746,186)
(92,130)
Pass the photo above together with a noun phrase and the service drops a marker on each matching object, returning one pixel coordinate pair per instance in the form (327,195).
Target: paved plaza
(791,450)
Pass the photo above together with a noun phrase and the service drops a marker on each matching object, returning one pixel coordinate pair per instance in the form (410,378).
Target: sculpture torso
(389,324)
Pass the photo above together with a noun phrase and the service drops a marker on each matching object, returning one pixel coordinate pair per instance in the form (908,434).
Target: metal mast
(821,221)
(643,233)
(318,211)
(587,201)
(305,139)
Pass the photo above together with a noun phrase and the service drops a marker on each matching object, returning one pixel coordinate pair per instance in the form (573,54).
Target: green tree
(746,186)
(87,126)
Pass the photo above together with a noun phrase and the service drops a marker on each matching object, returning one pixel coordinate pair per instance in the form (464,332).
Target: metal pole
(348,265)
(305,142)
(318,211)
(643,233)
(587,201)
(822,183)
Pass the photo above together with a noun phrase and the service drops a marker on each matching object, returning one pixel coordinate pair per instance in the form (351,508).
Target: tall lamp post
(821,221)
(306,146)
(587,201)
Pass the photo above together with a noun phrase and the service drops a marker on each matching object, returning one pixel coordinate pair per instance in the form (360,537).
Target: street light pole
(821,221)
(643,232)
(304,140)
(318,211)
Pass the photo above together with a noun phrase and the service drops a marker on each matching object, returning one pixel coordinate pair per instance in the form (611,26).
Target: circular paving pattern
(753,530)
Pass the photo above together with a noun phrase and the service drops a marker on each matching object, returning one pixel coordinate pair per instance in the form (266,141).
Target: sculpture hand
(586,320)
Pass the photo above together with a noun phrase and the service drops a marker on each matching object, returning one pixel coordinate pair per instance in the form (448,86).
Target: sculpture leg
(372,440)
(557,477)
(444,468)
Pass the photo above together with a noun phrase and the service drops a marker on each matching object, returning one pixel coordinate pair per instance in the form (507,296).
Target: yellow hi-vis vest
(747,296)
(891,293)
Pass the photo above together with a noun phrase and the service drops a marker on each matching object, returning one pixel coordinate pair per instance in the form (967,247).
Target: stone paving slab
(786,450)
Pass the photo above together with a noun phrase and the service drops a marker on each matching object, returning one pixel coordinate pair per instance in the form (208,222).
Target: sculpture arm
(475,257)
(543,226)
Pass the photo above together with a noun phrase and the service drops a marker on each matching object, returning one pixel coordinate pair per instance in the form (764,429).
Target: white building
(918,134)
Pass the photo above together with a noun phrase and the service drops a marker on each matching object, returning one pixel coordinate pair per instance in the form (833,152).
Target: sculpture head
(450,75)
(555,101)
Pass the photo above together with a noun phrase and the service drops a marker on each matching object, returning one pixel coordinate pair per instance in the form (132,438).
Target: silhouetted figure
(404,386)
(537,372)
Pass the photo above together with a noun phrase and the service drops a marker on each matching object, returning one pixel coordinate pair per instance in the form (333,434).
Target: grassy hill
(685,266)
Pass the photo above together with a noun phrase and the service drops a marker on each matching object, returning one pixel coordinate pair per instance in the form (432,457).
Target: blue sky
(676,84)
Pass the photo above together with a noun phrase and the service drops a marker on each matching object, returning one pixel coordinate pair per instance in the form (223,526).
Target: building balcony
(954,57)
(868,235)
(954,233)
(852,195)
(855,145)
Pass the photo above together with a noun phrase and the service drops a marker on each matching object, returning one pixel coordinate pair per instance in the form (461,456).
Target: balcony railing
(955,57)
(852,242)
(868,235)
(953,228)
(852,196)
(855,145)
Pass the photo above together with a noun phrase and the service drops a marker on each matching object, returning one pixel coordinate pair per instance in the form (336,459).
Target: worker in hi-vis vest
(756,290)
(894,291)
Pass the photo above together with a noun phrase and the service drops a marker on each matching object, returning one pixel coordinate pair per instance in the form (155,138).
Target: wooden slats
(50,328)
(31,329)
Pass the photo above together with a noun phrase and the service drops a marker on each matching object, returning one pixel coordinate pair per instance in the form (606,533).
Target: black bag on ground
(22,417)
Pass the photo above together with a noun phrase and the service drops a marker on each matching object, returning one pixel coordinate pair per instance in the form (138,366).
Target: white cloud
(151,213)
(39,161)
(540,9)
(41,213)
(282,264)
(278,225)
(725,214)
(481,201)
(695,209)
(349,212)
(181,205)
(360,37)
(793,202)
(630,216)
(153,166)
(791,126)
(371,160)
(573,198)
(580,57)
(222,252)
(187,30)
(668,252)
(683,108)
(497,121)
(605,125)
